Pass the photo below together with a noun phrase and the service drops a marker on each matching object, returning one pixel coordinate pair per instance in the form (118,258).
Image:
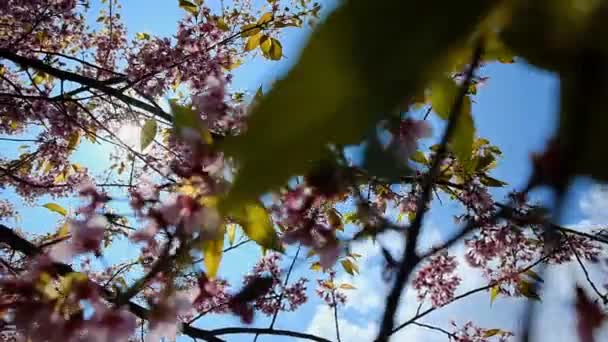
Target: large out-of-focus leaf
(186,121)
(148,132)
(352,72)
(584,90)
(464,135)
(257,225)
(443,95)
(548,33)
(212,251)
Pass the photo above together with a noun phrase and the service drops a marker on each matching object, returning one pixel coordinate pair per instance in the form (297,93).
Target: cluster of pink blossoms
(406,136)
(304,221)
(437,279)
(38,311)
(280,297)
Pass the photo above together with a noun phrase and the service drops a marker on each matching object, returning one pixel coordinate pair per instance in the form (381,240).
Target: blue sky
(516,111)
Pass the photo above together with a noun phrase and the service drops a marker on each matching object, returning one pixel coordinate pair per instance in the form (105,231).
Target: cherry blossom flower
(437,279)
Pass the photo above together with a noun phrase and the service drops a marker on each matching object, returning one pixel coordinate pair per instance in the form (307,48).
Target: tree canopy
(327,156)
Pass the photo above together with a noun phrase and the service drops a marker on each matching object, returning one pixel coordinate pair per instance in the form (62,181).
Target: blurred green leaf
(56,208)
(527,290)
(350,267)
(257,225)
(142,36)
(186,121)
(265,18)
(443,95)
(148,133)
(464,135)
(493,182)
(249,30)
(253,41)
(342,85)
(189,7)
(212,251)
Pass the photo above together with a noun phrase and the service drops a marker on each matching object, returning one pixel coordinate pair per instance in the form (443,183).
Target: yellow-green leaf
(249,30)
(419,157)
(346,286)
(73,141)
(316,266)
(265,18)
(350,267)
(142,36)
(148,132)
(494,293)
(257,225)
(221,24)
(443,95)
(342,86)
(186,119)
(64,230)
(491,332)
(464,135)
(189,7)
(253,41)
(276,50)
(212,251)
(56,208)
(526,289)
(265,44)
(231,232)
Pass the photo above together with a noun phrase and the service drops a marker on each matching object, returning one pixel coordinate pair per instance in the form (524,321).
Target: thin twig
(410,259)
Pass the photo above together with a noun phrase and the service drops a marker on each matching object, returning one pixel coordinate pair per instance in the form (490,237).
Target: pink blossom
(408,134)
(437,279)
(86,236)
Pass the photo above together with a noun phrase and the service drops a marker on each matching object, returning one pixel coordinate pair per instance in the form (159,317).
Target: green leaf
(494,293)
(189,7)
(212,251)
(464,135)
(142,36)
(265,44)
(249,30)
(221,24)
(231,231)
(534,276)
(148,132)
(316,266)
(527,290)
(491,332)
(64,230)
(73,141)
(342,86)
(185,118)
(276,50)
(56,208)
(346,286)
(253,41)
(443,95)
(419,157)
(265,18)
(350,267)
(493,182)
(257,225)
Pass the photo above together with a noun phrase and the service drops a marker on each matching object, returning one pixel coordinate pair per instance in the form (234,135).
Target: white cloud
(594,204)
(323,324)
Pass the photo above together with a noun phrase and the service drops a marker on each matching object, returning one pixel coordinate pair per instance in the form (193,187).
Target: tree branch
(410,259)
